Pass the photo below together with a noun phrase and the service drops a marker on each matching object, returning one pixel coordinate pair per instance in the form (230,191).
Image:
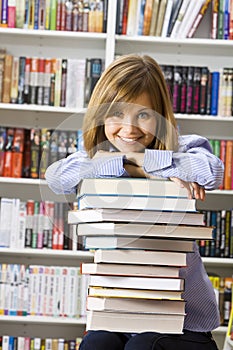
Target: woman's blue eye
(143,115)
(118,114)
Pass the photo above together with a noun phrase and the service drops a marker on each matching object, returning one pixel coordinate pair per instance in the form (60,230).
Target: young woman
(129,130)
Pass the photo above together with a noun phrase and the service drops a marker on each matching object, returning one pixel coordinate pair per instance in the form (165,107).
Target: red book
(40,89)
(7,170)
(228,165)
(214,24)
(222,157)
(17,153)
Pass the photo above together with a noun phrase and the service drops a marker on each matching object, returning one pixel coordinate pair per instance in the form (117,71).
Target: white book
(37,343)
(134,293)
(3,276)
(179,18)
(64,291)
(57,291)
(155,283)
(135,216)
(132,15)
(136,203)
(134,322)
(75,83)
(73,287)
(51,291)
(137,305)
(84,292)
(113,242)
(48,344)
(21,343)
(160,19)
(192,15)
(33,289)
(40,291)
(167,16)
(15,223)
(132,187)
(129,270)
(14,285)
(22,225)
(46,290)
(143,257)
(7,289)
(5,221)
(5,342)
(21,290)
(186,18)
(140,230)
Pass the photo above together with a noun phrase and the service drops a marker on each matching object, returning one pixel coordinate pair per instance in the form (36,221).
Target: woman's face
(130,127)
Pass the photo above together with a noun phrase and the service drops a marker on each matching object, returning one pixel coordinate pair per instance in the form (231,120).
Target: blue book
(214,93)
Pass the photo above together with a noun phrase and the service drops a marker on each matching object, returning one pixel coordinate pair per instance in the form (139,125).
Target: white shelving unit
(213,53)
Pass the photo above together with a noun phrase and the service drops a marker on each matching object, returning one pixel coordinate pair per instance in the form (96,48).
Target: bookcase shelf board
(64,321)
(53,34)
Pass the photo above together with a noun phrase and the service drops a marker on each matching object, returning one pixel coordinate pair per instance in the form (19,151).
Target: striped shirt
(193,162)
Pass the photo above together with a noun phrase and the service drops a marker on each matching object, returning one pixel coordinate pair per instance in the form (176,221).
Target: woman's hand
(194,190)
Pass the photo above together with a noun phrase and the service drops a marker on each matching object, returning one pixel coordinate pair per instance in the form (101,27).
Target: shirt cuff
(157,160)
(109,167)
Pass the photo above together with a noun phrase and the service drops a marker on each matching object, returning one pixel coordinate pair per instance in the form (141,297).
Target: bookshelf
(199,50)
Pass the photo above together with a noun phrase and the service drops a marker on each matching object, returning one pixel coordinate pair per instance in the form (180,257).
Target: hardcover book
(134,322)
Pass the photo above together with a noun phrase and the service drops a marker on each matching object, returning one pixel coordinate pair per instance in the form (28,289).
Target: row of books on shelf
(37,225)
(223,149)
(197,90)
(222,243)
(26,343)
(38,290)
(71,15)
(223,288)
(28,152)
(174,18)
(48,81)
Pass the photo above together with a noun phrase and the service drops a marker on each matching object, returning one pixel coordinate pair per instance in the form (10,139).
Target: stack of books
(140,231)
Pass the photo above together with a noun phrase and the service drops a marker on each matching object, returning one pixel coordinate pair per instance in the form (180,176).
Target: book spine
(198,19)
(35,153)
(40,88)
(196,90)
(22,63)
(31,14)
(203,90)
(14,80)
(214,25)
(220,19)
(226,20)
(17,153)
(4,14)
(27,80)
(214,93)
(42,13)
(189,101)
(46,82)
(11,21)
(36,14)
(6,89)
(47,14)
(228,165)
(231,21)
(177,88)
(53,14)
(7,169)
(34,75)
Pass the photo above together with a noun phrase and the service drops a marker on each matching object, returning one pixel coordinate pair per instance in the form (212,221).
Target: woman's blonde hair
(124,80)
